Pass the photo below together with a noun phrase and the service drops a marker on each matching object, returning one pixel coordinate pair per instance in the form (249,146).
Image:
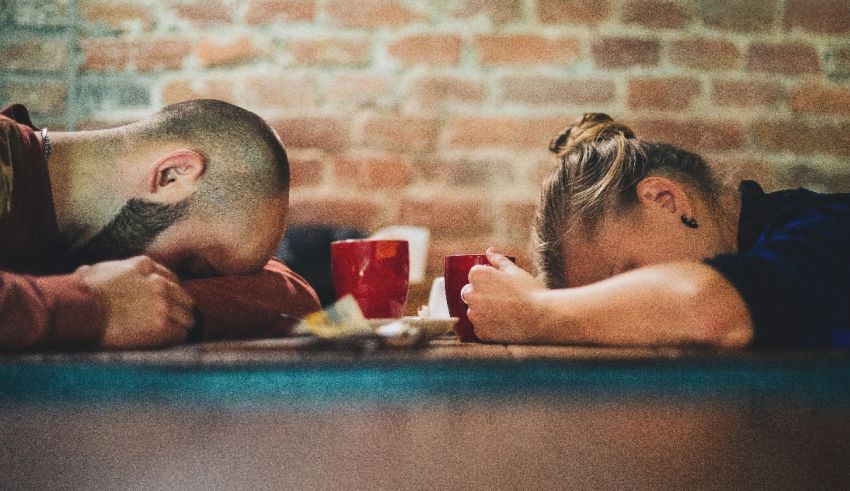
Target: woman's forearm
(677,303)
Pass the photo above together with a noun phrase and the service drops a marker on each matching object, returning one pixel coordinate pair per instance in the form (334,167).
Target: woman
(638,244)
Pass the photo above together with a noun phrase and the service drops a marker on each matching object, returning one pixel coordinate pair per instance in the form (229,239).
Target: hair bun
(591,127)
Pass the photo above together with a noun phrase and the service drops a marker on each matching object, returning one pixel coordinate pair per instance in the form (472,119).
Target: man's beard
(131,231)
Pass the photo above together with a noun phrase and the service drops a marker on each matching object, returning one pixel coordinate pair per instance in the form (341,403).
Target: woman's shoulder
(764,213)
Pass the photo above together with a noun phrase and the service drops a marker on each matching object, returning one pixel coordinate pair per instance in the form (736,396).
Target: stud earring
(690,222)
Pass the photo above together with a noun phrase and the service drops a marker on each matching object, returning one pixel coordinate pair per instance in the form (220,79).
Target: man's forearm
(250,306)
(47,311)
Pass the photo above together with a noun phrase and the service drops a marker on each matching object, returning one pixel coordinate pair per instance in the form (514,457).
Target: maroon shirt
(42,303)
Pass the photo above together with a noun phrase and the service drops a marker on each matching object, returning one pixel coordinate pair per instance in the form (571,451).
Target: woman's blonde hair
(600,163)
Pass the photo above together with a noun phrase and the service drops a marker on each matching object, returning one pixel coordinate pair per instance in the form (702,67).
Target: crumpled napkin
(343,323)
(343,319)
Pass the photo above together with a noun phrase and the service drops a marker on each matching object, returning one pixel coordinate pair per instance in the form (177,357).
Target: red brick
(330,134)
(783,58)
(486,132)
(557,91)
(165,53)
(737,15)
(625,52)
(820,97)
(205,12)
(671,93)
(120,15)
(731,170)
(362,213)
(747,93)
(373,172)
(431,90)
(811,176)
(656,14)
(430,169)
(839,62)
(330,51)
(584,12)
(443,246)
(42,54)
(281,91)
(541,170)
(370,13)
(820,16)
(105,53)
(213,51)
(465,172)
(390,172)
(45,13)
(356,89)
(146,54)
(802,137)
(427,49)
(399,133)
(40,98)
(306,167)
(461,172)
(266,11)
(499,12)
(695,135)
(447,214)
(527,48)
(705,53)
(518,217)
(440,247)
(207,87)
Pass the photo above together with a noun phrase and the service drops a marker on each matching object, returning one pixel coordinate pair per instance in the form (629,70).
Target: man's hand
(502,302)
(143,301)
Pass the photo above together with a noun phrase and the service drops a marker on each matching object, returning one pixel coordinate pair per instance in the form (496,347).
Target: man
(98,228)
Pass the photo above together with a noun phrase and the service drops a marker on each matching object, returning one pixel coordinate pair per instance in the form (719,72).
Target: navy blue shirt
(793,266)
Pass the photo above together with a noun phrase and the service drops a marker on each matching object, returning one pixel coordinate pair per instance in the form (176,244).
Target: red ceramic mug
(457,275)
(374,272)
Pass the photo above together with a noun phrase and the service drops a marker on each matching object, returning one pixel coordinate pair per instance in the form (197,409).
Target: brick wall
(438,113)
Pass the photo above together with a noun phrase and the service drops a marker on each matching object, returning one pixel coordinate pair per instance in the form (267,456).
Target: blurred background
(438,113)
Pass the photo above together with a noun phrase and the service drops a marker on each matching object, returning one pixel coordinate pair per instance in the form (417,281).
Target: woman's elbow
(720,316)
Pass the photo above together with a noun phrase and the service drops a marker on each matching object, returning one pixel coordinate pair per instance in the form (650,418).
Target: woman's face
(645,235)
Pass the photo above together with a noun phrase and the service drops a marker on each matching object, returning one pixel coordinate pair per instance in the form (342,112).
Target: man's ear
(176,175)
(664,194)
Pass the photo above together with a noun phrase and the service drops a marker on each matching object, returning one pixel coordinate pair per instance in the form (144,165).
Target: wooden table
(450,416)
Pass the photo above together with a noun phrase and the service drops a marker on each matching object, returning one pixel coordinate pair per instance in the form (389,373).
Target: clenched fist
(143,301)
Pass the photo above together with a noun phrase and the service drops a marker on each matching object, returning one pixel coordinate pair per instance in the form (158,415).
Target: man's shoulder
(14,120)
(8,132)
(16,114)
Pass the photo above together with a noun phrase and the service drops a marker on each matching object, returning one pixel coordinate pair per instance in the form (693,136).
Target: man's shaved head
(244,181)
(246,161)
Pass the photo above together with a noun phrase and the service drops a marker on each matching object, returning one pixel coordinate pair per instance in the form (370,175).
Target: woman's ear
(666,195)
(176,175)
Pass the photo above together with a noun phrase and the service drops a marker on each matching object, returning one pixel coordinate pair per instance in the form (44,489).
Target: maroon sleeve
(234,307)
(48,311)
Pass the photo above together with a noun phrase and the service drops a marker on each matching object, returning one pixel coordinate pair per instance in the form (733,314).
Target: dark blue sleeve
(796,279)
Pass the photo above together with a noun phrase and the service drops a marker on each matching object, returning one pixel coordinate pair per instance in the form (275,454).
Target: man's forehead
(257,237)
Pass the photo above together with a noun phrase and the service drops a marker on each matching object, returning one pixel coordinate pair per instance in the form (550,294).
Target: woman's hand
(502,300)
